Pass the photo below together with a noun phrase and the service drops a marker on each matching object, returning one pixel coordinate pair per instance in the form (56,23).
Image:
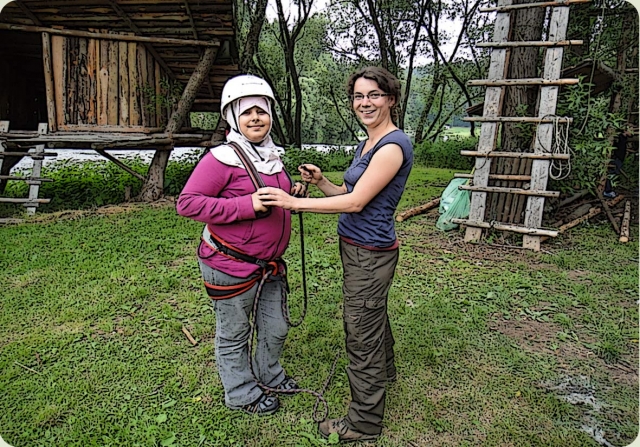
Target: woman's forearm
(330,189)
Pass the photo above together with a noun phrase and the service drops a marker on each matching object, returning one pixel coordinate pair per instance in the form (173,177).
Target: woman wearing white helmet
(242,241)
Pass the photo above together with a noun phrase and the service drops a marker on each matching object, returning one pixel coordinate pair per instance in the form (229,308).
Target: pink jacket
(220,195)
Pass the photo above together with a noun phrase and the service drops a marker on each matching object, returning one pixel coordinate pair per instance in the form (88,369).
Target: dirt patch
(106,210)
(542,337)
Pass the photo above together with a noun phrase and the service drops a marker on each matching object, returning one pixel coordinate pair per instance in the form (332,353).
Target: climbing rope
(559,169)
(267,271)
(318,395)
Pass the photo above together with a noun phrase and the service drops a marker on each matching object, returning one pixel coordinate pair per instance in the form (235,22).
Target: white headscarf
(264,155)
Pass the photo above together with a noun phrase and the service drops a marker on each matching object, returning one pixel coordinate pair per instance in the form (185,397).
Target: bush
(446,154)
(86,184)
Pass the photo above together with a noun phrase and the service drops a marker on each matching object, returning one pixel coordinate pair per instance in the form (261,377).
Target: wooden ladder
(34,180)
(541,157)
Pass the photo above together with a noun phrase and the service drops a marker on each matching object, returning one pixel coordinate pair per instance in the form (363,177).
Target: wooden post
(544,134)
(34,188)
(59,59)
(489,130)
(48,81)
(4,127)
(624,229)
(152,189)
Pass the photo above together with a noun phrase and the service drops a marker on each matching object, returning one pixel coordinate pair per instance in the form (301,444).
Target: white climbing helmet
(242,86)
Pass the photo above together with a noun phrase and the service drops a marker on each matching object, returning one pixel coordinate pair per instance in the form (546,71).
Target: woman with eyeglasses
(367,200)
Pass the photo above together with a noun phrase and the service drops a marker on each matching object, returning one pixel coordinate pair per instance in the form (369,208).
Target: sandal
(287,384)
(263,406)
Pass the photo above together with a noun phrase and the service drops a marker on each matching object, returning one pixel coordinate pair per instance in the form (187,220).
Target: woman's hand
(299,190)
(310,173)
(277,197)
(258,206)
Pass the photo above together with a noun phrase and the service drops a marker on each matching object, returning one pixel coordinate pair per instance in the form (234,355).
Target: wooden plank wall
(105,85)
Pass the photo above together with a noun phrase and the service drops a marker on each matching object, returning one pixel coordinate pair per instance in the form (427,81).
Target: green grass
(92,353)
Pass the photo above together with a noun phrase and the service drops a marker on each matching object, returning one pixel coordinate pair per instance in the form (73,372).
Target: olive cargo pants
(369,342)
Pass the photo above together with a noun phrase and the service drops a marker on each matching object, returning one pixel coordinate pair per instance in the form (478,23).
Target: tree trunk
(524,62)
(257,18)
(154,185)
(527,25)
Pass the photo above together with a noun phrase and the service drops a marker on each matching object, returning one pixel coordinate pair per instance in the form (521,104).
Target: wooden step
(33,155)
(507,227)
(528,81)
(519,191)
(497,154)
(515,119)
(530,43)
(532,5)
(508,177)
(24,200)
(28,179)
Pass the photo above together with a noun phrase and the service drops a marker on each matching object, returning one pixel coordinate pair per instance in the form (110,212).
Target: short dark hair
(387,82)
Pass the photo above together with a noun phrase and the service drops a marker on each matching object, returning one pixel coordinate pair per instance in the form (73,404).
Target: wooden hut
(101,74)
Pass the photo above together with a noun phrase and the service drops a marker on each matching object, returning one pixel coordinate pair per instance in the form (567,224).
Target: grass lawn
(494,346)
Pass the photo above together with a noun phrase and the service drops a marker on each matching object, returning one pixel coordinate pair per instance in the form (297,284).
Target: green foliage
(446,154)
(588,136)
(86,184)
(204,120)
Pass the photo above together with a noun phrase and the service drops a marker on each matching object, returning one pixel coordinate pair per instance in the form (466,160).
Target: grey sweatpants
(233,329)
(367,279)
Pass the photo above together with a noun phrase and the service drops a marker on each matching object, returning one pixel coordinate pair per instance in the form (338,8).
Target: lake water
(147,155)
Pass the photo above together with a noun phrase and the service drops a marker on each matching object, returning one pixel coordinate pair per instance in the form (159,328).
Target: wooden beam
(48,81)
(418,210)
(190,91)
(508,177)
(532,5)
(507,227)
(150,48)
(120,164)
(107,36)
(34,155)
(516,119)
(28,12)
(534,43)
(500,189)
(25,201)
(607,210)
(528,81)
(25,179)
(499,154)
(58,59)
(544,133)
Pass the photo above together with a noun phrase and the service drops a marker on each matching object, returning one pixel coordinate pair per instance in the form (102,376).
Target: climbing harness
(270,270)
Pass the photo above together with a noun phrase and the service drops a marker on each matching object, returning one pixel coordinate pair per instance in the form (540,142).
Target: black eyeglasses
(372,96)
